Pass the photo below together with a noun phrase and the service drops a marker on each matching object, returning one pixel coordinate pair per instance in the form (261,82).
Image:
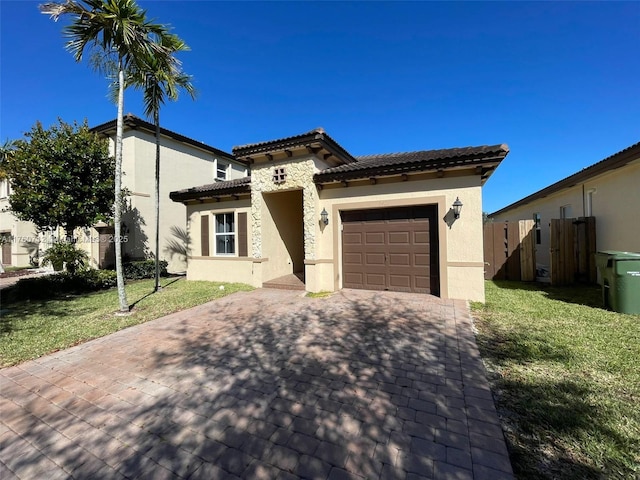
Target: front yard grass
(30,329)
(566,377)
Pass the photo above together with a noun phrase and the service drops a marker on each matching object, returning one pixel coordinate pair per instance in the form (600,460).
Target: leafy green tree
(61,177)
(118,29)
(160,82)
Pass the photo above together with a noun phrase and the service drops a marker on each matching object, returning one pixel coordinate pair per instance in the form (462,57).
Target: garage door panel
(422,281)
(400,259)
(373,259)
(353,279)
(391,249)
(375,279)
(421,260)
(400,282)
(374,238)
(352,238)
(402,237)
(353,258)
(421,238)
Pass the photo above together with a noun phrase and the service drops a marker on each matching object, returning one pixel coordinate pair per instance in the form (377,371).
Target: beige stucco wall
(22,234)
(615,204)
(181,166)
(461,252)
(218,268)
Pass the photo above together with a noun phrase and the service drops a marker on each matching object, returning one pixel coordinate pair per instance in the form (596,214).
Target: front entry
(391,249)
(283,235)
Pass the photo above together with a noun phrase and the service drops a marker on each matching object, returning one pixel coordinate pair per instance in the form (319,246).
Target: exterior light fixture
(457,206)
(324,217)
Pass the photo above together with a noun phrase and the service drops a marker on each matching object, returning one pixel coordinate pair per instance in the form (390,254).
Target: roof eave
(486,166)
(189,196)
(135,123)
(311,139)
(613,162)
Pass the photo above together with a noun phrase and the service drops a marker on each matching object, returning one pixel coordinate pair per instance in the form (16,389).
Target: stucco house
(608,190)
(311,209)
(184,161)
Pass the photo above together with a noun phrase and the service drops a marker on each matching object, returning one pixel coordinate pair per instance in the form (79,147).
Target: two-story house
(183,162)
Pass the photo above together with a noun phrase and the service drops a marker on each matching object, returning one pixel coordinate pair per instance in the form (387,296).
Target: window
(5,189)
(536,220)
(225,234)
(565,211)
(279,175)
(221,170)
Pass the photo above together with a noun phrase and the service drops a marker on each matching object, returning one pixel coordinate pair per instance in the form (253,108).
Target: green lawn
(30,329)
(566,374)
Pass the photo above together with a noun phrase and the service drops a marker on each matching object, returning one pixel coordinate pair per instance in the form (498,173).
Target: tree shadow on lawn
(14,313)
(545,417)
(169,281)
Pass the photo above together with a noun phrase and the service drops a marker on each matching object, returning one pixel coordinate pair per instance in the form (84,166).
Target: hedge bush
(49,286)
(143,269)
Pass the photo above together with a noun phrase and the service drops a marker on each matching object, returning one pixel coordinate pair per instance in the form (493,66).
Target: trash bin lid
(620,255)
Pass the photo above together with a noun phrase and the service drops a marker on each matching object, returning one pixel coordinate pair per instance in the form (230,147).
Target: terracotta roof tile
(317,135)
(424,160)
(239,185)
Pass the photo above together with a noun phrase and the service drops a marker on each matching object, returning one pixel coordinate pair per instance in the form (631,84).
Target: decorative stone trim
(297,176)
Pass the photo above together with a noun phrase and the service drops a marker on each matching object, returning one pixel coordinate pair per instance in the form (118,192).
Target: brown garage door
(391,249)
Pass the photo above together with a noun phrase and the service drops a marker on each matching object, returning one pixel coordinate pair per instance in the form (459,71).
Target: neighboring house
(184,161)
(311,209)
(19,240)
(608,190)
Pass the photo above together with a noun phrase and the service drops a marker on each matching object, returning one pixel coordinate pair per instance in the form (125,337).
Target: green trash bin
(620,275)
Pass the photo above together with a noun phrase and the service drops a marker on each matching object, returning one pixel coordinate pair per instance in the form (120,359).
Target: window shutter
(204,235)
(243,249)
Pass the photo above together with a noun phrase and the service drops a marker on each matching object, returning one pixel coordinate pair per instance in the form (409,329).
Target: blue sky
(558,82)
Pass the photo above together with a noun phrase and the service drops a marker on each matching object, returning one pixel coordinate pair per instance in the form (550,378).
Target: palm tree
(160,82)
(119,29)
(7,149)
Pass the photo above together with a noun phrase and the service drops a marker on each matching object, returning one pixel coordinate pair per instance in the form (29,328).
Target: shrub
(65,253)
(143,269)
(50,286)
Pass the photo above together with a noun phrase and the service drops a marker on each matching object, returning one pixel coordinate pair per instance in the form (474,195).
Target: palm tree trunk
(156,116)
(117,216)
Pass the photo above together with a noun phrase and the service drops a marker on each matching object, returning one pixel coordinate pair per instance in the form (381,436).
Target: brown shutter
(242,235)
(204,235)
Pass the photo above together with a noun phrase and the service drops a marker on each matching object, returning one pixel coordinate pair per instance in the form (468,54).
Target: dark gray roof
(135,122)
(314,136)
(612,162)
(230,187)
(425,160)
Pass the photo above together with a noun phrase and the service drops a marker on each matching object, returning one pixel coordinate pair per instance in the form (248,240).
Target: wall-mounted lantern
(457,206)
(324,217)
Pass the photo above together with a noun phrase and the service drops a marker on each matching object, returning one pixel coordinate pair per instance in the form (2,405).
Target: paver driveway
(263,384)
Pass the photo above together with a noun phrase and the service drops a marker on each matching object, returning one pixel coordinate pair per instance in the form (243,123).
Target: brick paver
(264,384)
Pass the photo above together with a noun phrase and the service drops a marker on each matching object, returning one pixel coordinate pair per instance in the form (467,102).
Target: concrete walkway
(264,384)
